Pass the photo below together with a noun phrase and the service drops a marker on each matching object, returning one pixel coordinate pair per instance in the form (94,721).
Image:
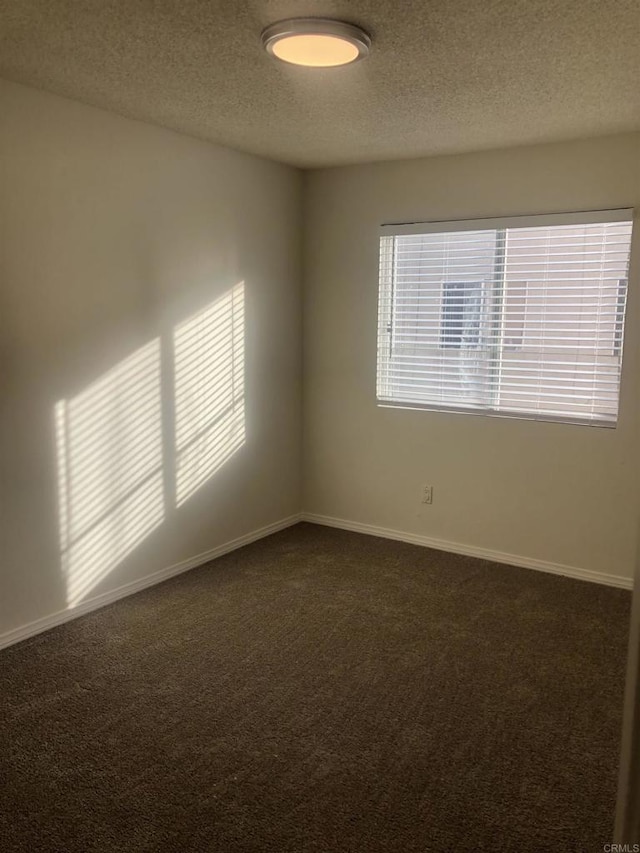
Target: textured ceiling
(443,75)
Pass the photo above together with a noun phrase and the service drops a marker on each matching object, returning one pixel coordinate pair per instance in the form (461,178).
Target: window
(521,317)
(461,313)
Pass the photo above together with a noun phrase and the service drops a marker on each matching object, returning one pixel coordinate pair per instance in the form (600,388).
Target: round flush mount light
(316,42)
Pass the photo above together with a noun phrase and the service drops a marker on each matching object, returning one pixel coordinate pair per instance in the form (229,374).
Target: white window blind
(521,317)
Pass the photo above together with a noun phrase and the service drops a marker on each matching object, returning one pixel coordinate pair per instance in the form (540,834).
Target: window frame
(391,229)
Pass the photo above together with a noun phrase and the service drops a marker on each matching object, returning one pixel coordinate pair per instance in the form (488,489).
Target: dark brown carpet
(321,691)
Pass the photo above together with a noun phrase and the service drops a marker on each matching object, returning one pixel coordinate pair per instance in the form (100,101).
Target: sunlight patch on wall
(209,390)
(110,482)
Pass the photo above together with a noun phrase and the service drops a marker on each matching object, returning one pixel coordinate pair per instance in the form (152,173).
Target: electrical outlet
(427,495)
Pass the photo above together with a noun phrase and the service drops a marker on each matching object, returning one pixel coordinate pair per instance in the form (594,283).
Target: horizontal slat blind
(526,320)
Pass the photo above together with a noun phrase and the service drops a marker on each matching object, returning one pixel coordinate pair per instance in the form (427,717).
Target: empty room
(319,426)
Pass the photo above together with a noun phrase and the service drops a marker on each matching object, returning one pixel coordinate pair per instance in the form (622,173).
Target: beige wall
(552,492)
(121,246)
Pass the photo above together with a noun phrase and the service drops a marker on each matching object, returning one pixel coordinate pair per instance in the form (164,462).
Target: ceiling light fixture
(316,42)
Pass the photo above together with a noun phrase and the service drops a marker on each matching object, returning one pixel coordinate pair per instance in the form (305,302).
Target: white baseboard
(472,551)
(33,628)
(98,601)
